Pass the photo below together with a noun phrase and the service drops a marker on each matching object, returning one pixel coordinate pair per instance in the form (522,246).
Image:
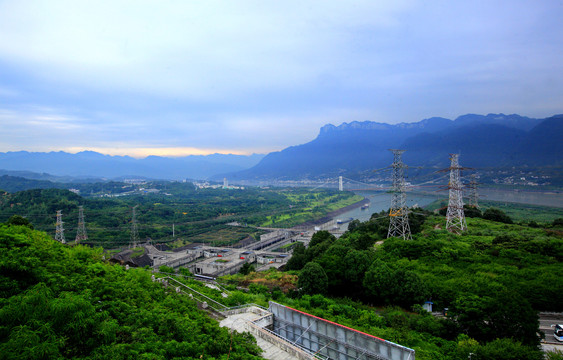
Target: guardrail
(218,306)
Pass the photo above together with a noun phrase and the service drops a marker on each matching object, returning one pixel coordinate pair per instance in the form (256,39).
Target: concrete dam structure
(332,340)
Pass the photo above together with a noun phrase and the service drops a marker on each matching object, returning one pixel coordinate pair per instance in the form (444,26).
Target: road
(546,320)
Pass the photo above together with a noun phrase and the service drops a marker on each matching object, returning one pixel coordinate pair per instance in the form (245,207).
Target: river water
(380,200)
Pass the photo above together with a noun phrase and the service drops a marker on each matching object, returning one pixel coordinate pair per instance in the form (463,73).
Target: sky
(180,77)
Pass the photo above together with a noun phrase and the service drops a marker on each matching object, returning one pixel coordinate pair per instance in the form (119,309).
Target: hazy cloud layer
(257,76)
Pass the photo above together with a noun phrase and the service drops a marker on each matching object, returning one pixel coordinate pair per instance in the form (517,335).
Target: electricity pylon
(59,231)
(473,195)
(134,229)
(455,217)
(81,231)
(398,213)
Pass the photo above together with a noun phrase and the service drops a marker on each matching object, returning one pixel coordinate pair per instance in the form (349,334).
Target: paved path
(238,322)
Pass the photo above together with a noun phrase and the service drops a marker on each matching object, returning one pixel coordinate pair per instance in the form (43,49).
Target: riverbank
(345,209)
(328,217)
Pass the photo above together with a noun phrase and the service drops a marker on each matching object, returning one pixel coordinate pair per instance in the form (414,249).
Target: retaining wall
(331,339)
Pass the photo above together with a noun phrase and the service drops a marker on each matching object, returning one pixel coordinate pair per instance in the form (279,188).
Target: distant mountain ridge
(90,164)
(493,140)
(483,140)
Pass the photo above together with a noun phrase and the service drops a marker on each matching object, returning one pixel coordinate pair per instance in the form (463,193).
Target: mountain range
(350,149)
(60,166)
(494,140)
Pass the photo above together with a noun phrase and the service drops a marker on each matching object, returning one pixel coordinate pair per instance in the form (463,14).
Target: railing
(246,306)
(195,277)
(208,300)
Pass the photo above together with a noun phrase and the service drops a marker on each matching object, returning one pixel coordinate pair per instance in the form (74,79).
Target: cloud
(144,152)
(249,76)
(189,49)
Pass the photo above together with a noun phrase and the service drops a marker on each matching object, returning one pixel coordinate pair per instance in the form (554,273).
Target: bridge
(346,184)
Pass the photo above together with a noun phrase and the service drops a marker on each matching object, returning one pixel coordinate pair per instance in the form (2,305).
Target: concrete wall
(333,340)
(280,343)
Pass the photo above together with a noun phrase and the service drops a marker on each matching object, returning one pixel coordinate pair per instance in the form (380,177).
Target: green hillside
(493,279)
(58,301)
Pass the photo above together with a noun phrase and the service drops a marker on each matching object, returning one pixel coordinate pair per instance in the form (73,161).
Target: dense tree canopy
(63,302)
(494,277)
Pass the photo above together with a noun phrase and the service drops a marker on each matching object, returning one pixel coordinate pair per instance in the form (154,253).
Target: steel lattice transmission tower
(81,231)
(59,231)
(473,194)
(398,213)
(455,217)
(134,229)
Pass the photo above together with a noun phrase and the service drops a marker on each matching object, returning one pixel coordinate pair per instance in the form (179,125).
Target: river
(378,201)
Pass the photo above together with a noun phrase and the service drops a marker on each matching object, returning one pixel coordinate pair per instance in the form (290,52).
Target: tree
(353,225)
(363,242)
(505,314)
(416,218)
(471,211)
(19,220)
(497,215)
(320,237)
(377,282)
(506,349)
(356,264)
(407,289)
(247,269)
(298,258)
(399,287)
(313,279)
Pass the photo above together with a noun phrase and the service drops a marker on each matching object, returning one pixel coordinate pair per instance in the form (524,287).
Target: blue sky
(196,77)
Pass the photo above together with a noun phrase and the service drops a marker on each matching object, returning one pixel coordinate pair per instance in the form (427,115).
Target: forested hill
(493,140)
(494,277)
(60,302)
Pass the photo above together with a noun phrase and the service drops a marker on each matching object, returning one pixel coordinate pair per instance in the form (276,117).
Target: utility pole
(134,229)
(473,195)
(59,231)
(81,232)
(398,213)
(455,217)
